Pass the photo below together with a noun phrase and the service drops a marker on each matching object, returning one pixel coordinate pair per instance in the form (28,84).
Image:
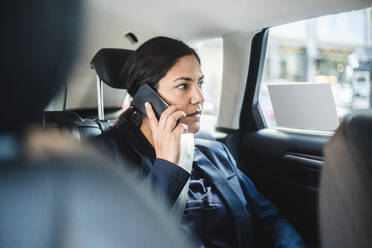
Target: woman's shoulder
(216,154)
(207,142)
(205,139)
(122,133)
(117,138)
(213,147)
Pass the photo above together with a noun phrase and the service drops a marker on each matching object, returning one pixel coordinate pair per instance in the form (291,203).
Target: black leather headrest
(346,185)
(108,63)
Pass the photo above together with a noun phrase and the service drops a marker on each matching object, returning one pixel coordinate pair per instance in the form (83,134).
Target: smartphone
(146,94)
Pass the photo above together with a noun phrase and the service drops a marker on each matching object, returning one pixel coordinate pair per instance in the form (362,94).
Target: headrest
(356,132)
(108,63)
(346,184)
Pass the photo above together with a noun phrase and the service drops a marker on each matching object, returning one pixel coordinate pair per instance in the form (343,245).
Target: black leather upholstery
(80,128)
(108,63)
(346,185)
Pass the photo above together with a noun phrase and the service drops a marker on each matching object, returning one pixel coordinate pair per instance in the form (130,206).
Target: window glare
(334,49)
(347,27)
(292,30)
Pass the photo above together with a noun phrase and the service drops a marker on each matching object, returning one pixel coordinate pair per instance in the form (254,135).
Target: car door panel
(285,166)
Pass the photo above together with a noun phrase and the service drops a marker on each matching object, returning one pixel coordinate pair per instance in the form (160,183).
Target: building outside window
(334,49)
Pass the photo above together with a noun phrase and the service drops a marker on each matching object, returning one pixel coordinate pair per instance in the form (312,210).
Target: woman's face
(182,86)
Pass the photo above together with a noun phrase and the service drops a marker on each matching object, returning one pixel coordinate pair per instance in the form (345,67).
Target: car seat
(108,63)
(345,203)
(80,128)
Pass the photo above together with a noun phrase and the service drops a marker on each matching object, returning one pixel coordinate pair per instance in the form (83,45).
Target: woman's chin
(194,128)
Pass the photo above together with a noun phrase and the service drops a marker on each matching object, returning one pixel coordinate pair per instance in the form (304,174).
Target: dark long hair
(148,64)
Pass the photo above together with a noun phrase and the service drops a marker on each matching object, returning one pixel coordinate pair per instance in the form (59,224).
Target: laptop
(307,106)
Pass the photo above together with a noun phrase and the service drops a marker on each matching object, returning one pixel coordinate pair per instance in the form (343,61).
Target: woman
(223,207)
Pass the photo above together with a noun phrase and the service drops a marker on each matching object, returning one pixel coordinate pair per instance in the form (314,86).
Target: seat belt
(186,161)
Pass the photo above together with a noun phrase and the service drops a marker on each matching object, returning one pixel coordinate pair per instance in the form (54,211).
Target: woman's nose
(197,96)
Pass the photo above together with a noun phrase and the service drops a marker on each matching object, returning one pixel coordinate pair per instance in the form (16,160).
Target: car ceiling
(106,22)
(195,19)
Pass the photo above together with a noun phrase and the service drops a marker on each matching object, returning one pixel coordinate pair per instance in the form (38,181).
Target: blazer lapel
(242,219)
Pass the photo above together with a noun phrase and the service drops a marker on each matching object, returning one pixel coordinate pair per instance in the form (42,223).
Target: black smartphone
(146,94)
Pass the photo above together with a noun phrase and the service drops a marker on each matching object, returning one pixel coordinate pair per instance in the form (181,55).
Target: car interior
(321,181)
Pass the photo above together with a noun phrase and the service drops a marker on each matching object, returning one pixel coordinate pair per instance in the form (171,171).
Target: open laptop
(307,106)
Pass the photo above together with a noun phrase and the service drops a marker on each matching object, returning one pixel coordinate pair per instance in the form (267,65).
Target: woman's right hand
(165,134)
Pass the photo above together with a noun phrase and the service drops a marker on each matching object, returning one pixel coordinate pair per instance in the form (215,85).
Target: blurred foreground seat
(53,192)
(346,185)
(75,201)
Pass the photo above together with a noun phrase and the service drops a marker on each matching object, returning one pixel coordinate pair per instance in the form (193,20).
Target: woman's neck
(146,130)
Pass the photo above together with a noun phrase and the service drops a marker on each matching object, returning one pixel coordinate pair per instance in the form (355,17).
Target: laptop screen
(307,106)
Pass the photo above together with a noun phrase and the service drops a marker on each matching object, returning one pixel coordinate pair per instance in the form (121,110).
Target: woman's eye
(200,84)
(182,86)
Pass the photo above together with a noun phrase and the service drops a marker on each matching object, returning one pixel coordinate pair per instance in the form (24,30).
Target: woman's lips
(194,115)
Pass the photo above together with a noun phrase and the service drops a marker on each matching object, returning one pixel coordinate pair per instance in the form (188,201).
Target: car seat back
(345,203)
(80,128)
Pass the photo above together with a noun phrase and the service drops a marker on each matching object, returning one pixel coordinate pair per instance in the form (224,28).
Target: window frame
(251,116)
(250,106)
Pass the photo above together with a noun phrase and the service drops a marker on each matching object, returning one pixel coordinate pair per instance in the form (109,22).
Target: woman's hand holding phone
(166,133)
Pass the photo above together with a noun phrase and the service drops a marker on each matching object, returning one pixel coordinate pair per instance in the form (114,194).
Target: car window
(333,49)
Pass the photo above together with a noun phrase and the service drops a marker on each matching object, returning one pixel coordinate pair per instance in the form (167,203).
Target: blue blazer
(248,207)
